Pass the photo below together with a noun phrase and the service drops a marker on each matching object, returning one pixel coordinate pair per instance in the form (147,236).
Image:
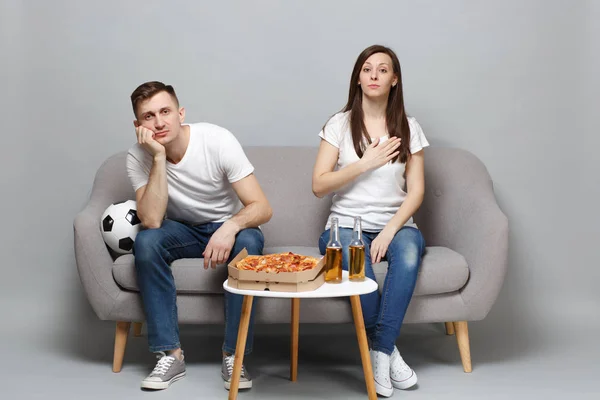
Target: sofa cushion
(442,271)
(189,273)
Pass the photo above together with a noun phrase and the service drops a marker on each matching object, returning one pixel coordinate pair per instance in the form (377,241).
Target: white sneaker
(401,375)
(381,373)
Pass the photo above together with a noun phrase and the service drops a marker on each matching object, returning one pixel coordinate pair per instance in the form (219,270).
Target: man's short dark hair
(148,90)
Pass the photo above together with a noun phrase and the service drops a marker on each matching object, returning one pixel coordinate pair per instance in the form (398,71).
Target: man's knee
(143,240)
(252,239)
(147,245)
(149,239)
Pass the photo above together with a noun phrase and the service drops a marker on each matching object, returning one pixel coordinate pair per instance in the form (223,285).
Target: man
(195,176)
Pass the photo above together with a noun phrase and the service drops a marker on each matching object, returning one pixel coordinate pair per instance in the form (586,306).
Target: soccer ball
(120,225)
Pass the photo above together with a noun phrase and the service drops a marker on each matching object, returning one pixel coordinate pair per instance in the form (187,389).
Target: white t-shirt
(199,185)
(376,195)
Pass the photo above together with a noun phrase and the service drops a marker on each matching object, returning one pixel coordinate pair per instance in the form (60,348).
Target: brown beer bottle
(333,254)
(357,253)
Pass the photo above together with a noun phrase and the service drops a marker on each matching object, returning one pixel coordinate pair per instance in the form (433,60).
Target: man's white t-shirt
(199,185)
(376,195)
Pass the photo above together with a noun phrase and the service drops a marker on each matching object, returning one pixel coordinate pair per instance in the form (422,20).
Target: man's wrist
(233,226)
(160,158)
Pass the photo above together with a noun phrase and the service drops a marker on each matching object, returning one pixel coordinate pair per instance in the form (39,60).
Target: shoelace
(378,359)
(229,360)
(403,365)
(163,365)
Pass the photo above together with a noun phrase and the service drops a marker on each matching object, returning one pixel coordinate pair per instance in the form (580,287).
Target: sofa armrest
(94,262)
(460,212)
(482,238)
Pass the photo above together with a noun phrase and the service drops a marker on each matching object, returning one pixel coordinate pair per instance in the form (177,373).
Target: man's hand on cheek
(145,138)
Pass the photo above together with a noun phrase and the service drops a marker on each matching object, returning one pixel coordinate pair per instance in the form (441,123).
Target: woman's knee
(406,249)
(323,239)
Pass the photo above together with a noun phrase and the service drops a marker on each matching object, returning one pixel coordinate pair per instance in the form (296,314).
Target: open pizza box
(277,282)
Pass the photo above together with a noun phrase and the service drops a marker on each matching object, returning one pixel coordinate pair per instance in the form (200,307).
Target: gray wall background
(515,82)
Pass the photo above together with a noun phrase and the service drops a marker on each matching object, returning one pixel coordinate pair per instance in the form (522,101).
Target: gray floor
(77,364)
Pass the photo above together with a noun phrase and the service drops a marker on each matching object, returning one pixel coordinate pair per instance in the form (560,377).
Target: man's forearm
(153,203)
(251,216)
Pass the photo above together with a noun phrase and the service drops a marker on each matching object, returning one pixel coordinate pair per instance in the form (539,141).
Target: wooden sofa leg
(449,328)
(137,329)
(462,337)
(120,343)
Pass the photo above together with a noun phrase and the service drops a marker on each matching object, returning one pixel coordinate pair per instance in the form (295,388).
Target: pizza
(281,262)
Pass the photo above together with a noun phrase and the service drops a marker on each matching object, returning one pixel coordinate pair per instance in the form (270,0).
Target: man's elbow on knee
(151,224)
(268,213)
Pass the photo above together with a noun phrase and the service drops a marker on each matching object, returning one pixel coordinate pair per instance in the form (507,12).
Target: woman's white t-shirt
(199,185)
(376,195)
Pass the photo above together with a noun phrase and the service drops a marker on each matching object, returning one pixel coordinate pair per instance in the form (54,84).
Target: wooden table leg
(294,347)
(359,323)
(240,347)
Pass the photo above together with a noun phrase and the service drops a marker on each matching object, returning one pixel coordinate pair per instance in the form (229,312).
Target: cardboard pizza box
(278,282)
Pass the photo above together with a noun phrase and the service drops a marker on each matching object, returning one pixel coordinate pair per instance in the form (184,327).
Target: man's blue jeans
(155,250)
(383,314)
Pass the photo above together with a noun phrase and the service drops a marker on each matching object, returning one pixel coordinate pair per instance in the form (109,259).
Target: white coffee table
(344,289)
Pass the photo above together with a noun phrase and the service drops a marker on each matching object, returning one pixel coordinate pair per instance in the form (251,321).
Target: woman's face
(377,76)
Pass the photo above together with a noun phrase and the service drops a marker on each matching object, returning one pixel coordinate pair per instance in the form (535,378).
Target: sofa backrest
(285,174)
(456,183)
(111,184)
(452,176)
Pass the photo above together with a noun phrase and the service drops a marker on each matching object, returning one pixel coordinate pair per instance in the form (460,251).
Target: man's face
(162,116)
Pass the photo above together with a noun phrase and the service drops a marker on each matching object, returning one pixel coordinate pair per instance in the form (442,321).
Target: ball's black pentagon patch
(132,217)
(107,223)
(126,244)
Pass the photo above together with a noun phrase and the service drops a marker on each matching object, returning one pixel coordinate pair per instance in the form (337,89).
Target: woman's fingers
(392,156)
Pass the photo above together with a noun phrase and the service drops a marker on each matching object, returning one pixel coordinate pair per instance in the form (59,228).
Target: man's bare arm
(256,211)
(152,198)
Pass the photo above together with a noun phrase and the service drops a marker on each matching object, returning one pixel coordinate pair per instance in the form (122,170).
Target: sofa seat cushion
(189,273)
(442,271)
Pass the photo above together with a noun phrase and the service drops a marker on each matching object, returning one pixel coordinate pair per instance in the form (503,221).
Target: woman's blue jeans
(383,313)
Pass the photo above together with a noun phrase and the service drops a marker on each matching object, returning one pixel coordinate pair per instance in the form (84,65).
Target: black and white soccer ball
(120,225)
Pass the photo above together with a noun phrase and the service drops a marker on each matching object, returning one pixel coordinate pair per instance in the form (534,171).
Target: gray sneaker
(227,370)
(168,370)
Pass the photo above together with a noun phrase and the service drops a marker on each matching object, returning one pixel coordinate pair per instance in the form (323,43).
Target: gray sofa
(460,277)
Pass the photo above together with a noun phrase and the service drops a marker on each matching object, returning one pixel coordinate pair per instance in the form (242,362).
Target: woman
(371,158)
